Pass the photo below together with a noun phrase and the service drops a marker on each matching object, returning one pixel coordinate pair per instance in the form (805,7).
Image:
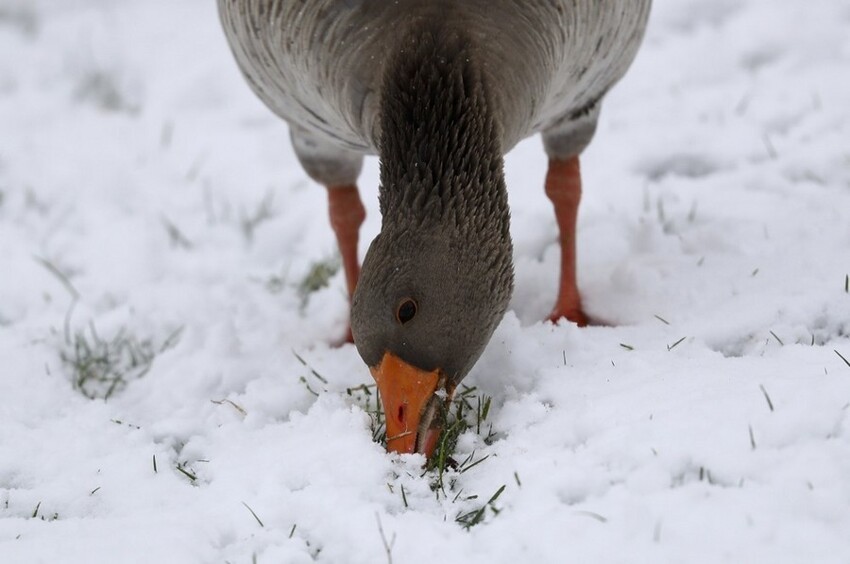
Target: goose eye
(406,311)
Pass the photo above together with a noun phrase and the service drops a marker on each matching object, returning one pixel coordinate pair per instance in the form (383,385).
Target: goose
(440,90)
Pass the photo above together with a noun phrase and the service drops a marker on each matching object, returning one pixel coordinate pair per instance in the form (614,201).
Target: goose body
(320,65)
(440,90)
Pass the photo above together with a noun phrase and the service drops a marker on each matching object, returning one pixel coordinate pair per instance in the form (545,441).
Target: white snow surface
(703,418)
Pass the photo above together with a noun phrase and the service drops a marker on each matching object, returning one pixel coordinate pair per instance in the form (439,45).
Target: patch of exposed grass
(468,411)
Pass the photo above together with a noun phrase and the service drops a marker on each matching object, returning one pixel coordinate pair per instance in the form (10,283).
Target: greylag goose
(440,90)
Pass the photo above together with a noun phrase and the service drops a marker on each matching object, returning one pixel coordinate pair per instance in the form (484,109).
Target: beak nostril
(402,411)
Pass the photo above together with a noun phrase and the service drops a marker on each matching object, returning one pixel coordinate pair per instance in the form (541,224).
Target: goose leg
(337,169)
(563,186)
(563,142)
(347,214)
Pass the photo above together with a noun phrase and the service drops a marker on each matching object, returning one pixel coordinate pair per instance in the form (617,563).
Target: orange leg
(563,186)
(347,214)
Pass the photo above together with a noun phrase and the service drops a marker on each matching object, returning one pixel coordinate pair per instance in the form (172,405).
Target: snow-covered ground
(150,206)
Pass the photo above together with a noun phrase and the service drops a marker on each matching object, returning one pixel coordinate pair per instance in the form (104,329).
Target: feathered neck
(441,159)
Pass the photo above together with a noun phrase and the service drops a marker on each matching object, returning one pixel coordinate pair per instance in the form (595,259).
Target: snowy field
(160,245)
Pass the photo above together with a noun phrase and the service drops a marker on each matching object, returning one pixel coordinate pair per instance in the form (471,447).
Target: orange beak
(410,405)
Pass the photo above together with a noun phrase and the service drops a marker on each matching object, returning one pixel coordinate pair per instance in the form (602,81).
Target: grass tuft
(317,277)
(467,411)
(249,222)
(472,518)
(102,367)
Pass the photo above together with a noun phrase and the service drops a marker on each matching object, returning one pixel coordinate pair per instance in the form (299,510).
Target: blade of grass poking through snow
(154,464)
(674,345)
(847,362)
(234,405)
(176,237)
(627,347)
(61,276)
(363,396)
(75,295)
(847,283)
(752,437)
(318,376)
(254,514)
(766,397)
(292,530)
(303,380)
(474,464)
(662,320)
(482,412)
(516,477)
(778,340)
(592,515)
(263,212)
(186,473)
(388,546)
(403,496)
(172,340)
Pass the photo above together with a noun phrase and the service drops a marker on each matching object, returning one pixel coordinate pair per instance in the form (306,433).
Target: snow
(705,418)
